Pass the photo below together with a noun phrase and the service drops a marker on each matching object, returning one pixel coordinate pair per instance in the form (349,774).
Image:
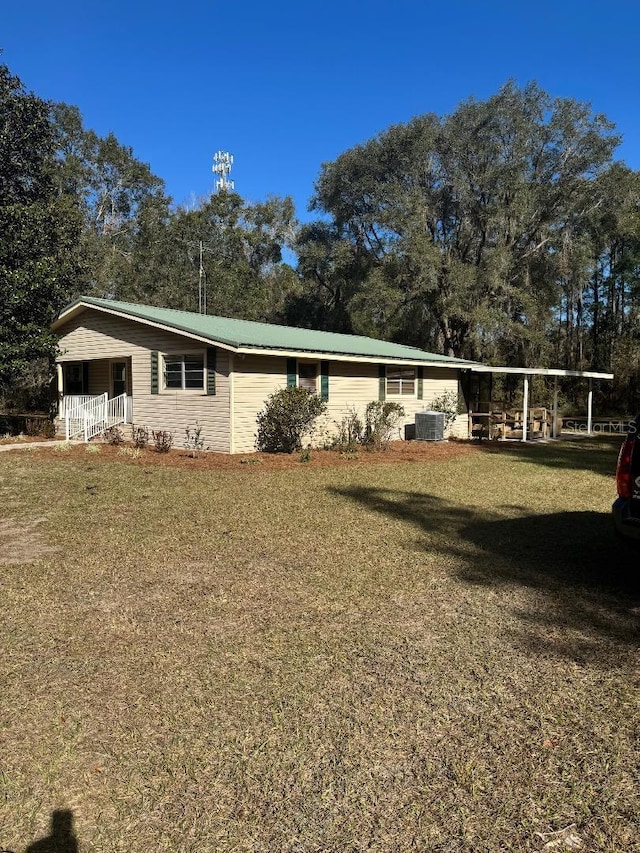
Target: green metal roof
(246,334)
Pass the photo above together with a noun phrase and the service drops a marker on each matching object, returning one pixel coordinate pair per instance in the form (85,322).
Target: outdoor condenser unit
(430,426)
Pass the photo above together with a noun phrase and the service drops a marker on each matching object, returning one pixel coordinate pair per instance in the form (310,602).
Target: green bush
(446,403)
(305,454)
(287,416)
(380,420)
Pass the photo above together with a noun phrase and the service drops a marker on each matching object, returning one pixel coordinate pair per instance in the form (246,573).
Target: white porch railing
(117,410)
(93,415)
(70,401)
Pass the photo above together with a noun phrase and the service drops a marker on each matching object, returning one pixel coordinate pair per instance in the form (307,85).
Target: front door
(118,378)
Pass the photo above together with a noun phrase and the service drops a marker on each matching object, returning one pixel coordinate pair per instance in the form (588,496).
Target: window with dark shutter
(211,371)
(324,380)
(292,373)
(382,382)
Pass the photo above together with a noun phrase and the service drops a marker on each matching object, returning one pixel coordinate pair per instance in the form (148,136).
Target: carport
(524,413)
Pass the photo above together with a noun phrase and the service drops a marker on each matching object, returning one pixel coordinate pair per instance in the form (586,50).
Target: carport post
(590,408)
(525,407)
(554,425)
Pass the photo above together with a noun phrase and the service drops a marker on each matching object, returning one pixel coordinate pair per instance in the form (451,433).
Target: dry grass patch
(434,656)
(22,543)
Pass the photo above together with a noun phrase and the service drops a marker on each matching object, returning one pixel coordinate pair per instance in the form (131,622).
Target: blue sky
(287,85)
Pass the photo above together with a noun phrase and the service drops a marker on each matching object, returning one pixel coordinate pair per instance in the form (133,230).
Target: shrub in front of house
(350,433)
(163,440)
(380,421)
(288,415)
(139,436)
(113,435)
(40,427)
(446,403)
(193,440)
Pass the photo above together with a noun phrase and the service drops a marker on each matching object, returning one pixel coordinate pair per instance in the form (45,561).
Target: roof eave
(335,356)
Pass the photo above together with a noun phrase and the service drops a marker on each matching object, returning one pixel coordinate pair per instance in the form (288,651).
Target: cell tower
(222,163)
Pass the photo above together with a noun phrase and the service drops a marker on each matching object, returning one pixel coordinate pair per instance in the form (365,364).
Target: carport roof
(540,371)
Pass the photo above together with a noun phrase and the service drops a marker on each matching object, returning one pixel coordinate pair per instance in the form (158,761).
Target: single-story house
(166,370)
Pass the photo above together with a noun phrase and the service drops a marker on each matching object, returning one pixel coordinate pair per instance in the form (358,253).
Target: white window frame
(181,356)
(403,380)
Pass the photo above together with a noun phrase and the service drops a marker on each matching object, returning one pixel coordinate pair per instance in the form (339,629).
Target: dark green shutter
(324,380)
(420,383)
(85,377)
(154,371)
(292,373)
(211,371)
(382,382)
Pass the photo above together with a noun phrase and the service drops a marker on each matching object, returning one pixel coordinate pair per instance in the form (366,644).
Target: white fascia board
(368,359)
(540,371)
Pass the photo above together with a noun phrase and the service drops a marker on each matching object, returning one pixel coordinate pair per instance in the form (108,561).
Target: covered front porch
(93,395)
(526,421)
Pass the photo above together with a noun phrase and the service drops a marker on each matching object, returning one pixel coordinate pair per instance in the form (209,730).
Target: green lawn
(436,656)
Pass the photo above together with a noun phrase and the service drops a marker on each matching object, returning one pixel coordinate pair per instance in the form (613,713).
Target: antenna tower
(222,163)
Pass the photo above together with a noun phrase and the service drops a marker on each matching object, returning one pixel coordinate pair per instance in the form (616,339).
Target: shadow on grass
(61,838)
(586,577)
(578,453)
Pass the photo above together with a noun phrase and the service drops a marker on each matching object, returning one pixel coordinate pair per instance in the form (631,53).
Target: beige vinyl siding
(99,379)
(460,427)
(437,381)
(351,385)
(97,338)
(255,377)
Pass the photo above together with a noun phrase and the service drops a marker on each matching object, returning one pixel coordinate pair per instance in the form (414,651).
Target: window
(307,376)
(304,374)
(401,381)
(184,371)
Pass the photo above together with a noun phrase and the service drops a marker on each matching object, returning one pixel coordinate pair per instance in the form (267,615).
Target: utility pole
(202,286)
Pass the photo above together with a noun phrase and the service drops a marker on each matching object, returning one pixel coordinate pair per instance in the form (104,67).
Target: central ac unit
(430,426)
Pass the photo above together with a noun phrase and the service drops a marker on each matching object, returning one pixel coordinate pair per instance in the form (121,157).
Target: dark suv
(626,509)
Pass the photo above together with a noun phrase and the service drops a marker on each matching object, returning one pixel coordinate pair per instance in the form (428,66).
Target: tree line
(505,232)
